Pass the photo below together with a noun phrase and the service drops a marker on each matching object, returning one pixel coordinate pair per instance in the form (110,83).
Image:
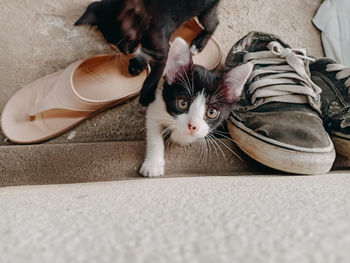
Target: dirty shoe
(277,121)
(334,80)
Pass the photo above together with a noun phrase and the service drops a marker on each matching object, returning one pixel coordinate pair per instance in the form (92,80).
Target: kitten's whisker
(201,156)
(116,50)
(217,89)
(184,83)
(115,57)
(208,147)
(217,97)
(206,150)
(188,90)
(188,80)
(220,132)
(204,153)
(166,133)
(228,138)
(230,150)
(160,118)
(171,143)
(170,120)
(213,145)
(168,130)
(183,80)
(220,100)
(167,143)
(213,140)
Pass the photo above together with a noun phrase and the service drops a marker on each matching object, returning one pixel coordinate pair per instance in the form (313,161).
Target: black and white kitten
(144,28)
(190,102)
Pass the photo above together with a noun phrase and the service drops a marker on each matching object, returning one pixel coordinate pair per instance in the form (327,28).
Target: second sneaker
(334,80)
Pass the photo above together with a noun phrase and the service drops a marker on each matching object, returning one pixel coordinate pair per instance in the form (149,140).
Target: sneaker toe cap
(291,129)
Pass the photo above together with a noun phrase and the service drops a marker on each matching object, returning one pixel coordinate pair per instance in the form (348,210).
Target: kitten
(190,102)
(144,28)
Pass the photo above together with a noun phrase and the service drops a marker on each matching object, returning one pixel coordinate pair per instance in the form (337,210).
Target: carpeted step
(119,160)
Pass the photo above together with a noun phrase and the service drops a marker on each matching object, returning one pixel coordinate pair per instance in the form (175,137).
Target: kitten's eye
(213,113)
(182,104)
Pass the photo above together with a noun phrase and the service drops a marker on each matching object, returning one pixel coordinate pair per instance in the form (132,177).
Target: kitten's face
(198,100)
(196,103)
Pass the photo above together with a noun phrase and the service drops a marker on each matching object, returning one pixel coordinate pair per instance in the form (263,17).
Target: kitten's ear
(179,59)
(90,15)
(235,79)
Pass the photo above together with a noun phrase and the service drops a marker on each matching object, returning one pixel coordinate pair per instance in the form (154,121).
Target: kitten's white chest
(157,111)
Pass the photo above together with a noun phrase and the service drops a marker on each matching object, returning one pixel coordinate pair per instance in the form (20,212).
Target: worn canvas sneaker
(334,80)
(277,120)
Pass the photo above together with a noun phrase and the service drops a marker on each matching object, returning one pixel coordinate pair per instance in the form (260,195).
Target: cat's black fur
(129,23)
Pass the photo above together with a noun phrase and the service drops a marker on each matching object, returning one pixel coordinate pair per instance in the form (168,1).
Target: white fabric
(333,20)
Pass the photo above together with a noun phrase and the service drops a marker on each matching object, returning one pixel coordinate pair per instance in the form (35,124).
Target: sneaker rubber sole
(281,157)
(341,143)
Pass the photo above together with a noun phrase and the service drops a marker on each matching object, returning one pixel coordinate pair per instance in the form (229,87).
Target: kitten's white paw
(194,50)
(152,168)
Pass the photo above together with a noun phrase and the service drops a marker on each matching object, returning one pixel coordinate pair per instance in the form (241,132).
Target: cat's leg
(153,165)
(149,87)
(209,20)
(158,46)
(139,63)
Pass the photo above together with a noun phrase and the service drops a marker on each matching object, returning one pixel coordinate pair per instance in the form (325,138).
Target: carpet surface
(207,219)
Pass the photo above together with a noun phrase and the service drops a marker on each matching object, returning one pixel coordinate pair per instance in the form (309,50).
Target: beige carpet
(211,219)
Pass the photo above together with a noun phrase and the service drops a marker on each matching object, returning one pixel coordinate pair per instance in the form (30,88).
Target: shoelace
(283,76)
(344,73)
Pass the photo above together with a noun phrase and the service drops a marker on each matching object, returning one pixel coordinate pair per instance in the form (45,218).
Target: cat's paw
(152,168)
(135,67)
(199,42)
(194,50)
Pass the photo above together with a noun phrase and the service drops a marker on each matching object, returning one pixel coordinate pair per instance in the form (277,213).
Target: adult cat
(144,28)
(190,103)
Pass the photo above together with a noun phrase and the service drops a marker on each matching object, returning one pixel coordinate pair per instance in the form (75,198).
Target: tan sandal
(60,101)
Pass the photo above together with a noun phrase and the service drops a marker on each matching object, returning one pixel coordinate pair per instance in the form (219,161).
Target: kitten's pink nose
(192,128)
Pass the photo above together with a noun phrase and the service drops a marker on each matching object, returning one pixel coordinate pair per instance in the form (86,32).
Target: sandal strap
(63,95)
